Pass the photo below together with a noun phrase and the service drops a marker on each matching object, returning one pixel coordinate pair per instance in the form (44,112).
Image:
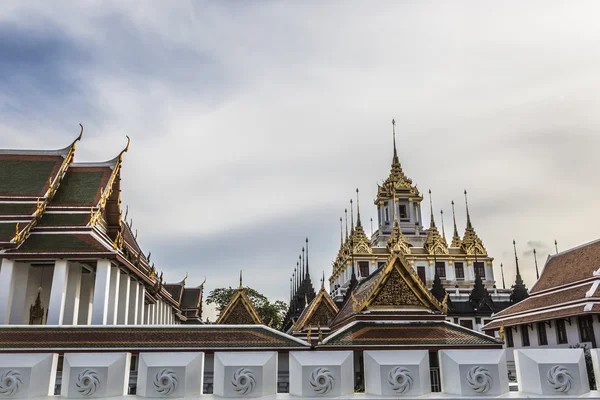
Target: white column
(18,307)
(141,304)
(113,298)
(100,310)
(7,285)
(147,310)
(151,313)
(123,309)
(73,295)
(134,298)
(86,298)
(58,293)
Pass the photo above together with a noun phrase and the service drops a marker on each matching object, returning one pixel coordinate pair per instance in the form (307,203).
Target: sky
(253,123)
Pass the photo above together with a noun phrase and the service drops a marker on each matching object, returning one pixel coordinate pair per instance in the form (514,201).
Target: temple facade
(67,254)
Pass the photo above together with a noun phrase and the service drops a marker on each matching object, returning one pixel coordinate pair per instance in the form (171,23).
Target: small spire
(556,246)
(307,270)
(394,133)
(518,277)
(371,226)
(467,207)
(502,273)
(346,213)
(537,272)
(241,279)
(299,274)
(293,279)
(303,265)
(351,218)
(357,210)
(443,230)
(432,223)
(394,205)
(455,236)
(291,291)
(323,281)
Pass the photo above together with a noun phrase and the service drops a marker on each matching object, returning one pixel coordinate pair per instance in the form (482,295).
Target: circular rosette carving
(322,380)
(165,382)
(243,381)
(479,379)
(559,378)
(87,382)
(10,383)
(400,380)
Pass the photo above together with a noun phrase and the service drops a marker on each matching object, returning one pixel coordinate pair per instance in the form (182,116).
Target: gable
(238,315)
(396,292)
(323,315)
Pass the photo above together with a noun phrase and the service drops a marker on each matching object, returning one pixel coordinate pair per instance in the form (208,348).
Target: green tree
(270,312)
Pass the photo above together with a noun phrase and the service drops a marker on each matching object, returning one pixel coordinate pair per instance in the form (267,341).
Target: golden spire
(443,230)
(434,242)
(471,243)
(397,243)
(395,159)
(432,222)
(456,236)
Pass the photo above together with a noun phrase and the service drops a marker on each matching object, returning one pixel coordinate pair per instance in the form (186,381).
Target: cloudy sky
(252,123)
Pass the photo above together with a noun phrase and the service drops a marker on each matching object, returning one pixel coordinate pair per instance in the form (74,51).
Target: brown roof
(542,316)
(546,300)
(144,337)
(569,266)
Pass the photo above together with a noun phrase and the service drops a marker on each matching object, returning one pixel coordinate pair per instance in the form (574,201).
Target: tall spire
(518,277)
(357,210)
(395,160)
(502,273)
(443,230)
(346,214)
(468,215)
(537,272)
(294,283)
(471,243)
(351,218)
(302,266)
(455,236)
(434,242)
(341,233)
(291,291)
(307,270)
(519,290)
(432,223)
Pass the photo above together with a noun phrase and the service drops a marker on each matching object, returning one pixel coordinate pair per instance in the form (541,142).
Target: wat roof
(409,333)
(197,338)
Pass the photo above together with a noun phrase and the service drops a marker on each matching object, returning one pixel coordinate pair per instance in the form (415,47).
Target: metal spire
(443,230)
(467,207)
(537,272)
(302,266)
(341,233)
(357,210)
(556,246)
(502,273)
(241,279)
(455,236)
(351,218)
(394,133)
(432,223)
(291,291)
(346,213)
(518,277)
(371,226)
(307,271)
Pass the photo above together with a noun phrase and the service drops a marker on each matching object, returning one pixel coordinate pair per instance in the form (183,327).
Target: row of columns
(73,295)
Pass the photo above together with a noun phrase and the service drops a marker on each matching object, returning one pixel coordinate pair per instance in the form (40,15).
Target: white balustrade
(321,373)
(473,373)
(95,374)
(552,372)
(27,375)
(397,372)
(245,374)
(170,374)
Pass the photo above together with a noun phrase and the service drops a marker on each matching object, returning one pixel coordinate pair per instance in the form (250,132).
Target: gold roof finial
(471,243)
(323,281)
(455,236)
(357,210)
(394,133)
(556,245)
(126,148)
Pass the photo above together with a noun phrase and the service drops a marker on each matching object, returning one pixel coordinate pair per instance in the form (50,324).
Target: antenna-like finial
(502,273)
(303,265)
(307,270)
(443,230)
(346,213)
(432,224)
(467,207)
(241,279)
(357,210)
(351,217)
(556,246)
(537,272)
(323,281)
(394,133)
(371,226)
(516,259)
(341,232)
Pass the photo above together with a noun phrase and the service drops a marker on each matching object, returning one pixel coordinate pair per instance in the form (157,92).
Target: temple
(68,255)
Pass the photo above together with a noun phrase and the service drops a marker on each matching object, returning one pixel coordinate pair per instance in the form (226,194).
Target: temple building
(458,273)
(67,254)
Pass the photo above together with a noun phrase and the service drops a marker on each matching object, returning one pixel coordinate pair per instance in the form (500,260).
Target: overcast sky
(252,123)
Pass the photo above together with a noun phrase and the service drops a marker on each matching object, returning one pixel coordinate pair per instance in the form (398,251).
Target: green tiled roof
(17,208)
(60,243)
(79,187)
(64,219)
(7,231)
(25,177)
(371,333)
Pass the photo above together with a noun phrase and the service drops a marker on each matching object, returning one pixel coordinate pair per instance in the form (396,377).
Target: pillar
(58,293)
(86,298)
(134,298)
(141,304)
(18,306)
(146,314)
(100,310)
(73,295)
(123,307)
(7,285)
(113,298)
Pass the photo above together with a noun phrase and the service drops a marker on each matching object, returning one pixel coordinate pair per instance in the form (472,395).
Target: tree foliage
(270,312)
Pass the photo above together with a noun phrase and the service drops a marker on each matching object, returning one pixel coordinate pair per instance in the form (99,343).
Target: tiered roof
(568,286)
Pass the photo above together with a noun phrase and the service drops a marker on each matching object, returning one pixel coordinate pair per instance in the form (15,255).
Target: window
(509,337)
(586,330)
(542,337)
(479,269)
(460,270)
(421,273)
(440,269)
(380,264)
(525,335)
(363,268)
(561,332)
(467,323)
(387,216)
(403,213)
